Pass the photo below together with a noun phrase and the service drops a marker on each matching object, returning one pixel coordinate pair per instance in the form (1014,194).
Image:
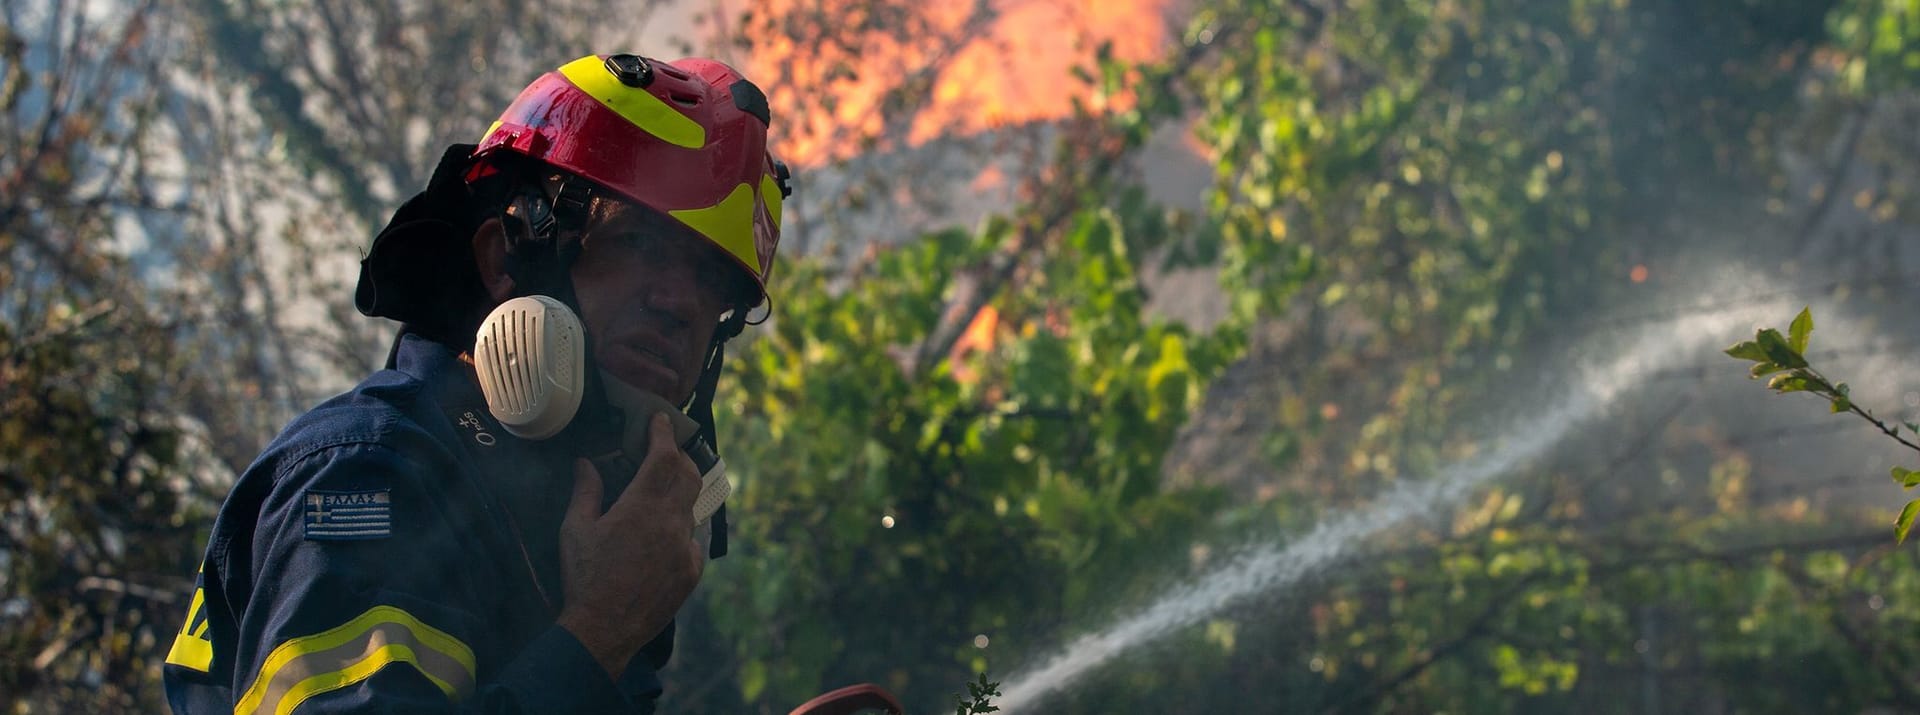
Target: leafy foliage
(979,700)
(1784,357)
(94,497)
(1043,440)
(1406,194)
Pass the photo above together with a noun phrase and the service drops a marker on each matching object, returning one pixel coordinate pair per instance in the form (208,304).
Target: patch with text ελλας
(346,516)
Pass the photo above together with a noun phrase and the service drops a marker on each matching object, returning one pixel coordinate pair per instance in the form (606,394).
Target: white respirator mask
(530,356)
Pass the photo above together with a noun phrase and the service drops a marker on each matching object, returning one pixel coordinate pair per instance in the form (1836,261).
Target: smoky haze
(1235,355)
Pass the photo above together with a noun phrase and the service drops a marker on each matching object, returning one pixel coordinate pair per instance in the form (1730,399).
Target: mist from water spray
(1265,568)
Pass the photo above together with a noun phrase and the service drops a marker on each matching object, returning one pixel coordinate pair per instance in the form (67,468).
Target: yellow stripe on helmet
(729,224)
(304,667)
(637,105)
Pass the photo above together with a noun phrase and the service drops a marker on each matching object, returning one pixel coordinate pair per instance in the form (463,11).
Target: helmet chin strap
(700,407)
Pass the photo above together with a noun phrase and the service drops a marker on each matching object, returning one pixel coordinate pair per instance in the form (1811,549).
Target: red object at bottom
(851,699)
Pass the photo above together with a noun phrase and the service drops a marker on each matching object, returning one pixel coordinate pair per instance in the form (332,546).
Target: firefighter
(508,516)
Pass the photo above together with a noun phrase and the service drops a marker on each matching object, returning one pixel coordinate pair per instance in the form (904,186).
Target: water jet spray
(1266,568)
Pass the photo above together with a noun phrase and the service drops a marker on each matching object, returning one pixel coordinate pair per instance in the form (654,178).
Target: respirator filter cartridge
(530,357)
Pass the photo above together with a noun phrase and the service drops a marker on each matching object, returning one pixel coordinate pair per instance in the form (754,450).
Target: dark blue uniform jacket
(373,560)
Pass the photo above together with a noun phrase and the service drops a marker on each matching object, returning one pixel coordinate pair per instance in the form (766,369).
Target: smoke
(1591,392)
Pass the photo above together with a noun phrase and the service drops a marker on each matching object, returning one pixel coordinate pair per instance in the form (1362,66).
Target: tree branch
(1884,427)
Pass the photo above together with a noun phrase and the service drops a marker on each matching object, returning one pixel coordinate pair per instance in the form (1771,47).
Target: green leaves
(1800,331)
(1784,357)
(1878,39)
(979,698)
(1787,383)
(753,678)
(1771,353)
(1748,350)
(1779,350)
(1905,523)
(987,489)
(1428,171)
(1908,479)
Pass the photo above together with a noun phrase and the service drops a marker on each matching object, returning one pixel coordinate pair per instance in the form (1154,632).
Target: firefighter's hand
(628,571)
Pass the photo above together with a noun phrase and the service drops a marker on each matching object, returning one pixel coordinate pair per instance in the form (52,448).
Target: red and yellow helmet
(686,138)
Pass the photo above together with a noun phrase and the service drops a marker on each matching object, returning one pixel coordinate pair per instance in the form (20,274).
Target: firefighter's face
(651,294)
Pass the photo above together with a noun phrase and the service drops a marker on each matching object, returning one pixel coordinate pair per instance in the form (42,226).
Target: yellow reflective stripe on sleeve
(191,646)
(304,667)
(380,658)
(637,105)
(191,652)
(728,223)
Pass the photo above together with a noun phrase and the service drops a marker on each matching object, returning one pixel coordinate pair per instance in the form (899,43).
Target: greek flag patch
(345,516)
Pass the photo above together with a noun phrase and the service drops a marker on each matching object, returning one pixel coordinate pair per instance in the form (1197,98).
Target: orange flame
(848,73)
(980,336)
